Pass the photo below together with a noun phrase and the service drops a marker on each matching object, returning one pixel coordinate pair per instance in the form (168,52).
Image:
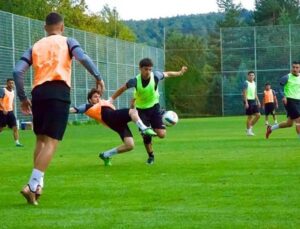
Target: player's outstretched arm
(175,74)
(275,101)
(86,62)
(117,93)
(19,72)
(257,100)
(100,86)
(72,110)
(79,109)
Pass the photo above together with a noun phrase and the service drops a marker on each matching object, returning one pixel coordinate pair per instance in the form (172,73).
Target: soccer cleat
(106,160)
(269,131)
(19,145)
(29,195)
(38,192)
(149,132)
(250,133)
(150,160)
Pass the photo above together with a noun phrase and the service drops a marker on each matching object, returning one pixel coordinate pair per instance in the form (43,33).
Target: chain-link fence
(267,50)
(219,63)
(117,60)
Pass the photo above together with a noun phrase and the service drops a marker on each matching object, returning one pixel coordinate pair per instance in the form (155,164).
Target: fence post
(13,56)
(290,43)
(117,64)
(222,84)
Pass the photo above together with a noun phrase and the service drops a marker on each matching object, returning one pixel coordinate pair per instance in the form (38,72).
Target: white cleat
(250,133)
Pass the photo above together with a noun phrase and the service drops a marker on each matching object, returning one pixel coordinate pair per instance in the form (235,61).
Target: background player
(251,103)
(290,91)
(269,103)
(7,116)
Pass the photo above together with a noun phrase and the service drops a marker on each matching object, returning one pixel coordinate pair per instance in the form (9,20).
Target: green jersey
(292,87)
(146,97)
(251,90)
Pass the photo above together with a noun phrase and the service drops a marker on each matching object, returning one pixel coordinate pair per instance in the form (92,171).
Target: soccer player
(51,58)
(290,91)
(269,103)
(7,116)
(105,113)
(146,99)
(251,103)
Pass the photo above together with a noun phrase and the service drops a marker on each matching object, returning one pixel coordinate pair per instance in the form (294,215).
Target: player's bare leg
(43,155)
(16,136)
(128,145)
(161,133)
(297,123)
(134,115)
(288,123)
(255,119)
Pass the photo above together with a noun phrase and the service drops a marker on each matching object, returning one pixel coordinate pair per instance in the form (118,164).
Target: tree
(107,22)
(232,14)
(274,12)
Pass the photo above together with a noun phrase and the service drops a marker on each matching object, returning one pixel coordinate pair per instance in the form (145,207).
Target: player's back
(51,60)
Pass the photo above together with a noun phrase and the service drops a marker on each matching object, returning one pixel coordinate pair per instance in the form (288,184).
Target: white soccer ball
(170,118)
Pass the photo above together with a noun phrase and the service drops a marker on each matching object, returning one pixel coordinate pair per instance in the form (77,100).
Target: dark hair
(267,83)
(250,72)
(9,79)
(146,62)
(53,19)
(92,92)
(296,62)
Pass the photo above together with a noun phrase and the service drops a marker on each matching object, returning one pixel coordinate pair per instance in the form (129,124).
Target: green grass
(207,174)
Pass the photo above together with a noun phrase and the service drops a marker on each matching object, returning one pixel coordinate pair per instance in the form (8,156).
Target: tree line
(192,40)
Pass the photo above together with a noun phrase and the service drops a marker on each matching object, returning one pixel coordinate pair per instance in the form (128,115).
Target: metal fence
(117,60)
(267,50)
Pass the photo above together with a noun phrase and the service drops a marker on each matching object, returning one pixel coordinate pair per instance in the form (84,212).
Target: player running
(251,103)
(117,120)
(146,99)
(51,58)
(269,103)
(7,116)
(290,90)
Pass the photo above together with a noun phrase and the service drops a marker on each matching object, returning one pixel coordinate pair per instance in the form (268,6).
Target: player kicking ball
(146,99)
(290,91)
(117,120)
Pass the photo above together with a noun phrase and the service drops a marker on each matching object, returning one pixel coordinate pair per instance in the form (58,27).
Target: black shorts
(269,109)
(50,117)
(253,108)
(152,116)
(9,119)
(117,120)
(293,108)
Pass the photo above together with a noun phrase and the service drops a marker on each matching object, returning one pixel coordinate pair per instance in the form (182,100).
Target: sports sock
(110,153)
(17,142)
(141,125)
(41,183)
(275,127)
(35,179)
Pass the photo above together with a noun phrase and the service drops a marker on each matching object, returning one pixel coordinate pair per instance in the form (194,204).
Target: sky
(146,9)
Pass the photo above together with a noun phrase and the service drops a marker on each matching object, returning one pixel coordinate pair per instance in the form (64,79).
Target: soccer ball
(170,118)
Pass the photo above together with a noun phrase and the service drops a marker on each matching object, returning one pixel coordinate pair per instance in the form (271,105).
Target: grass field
(207,174)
